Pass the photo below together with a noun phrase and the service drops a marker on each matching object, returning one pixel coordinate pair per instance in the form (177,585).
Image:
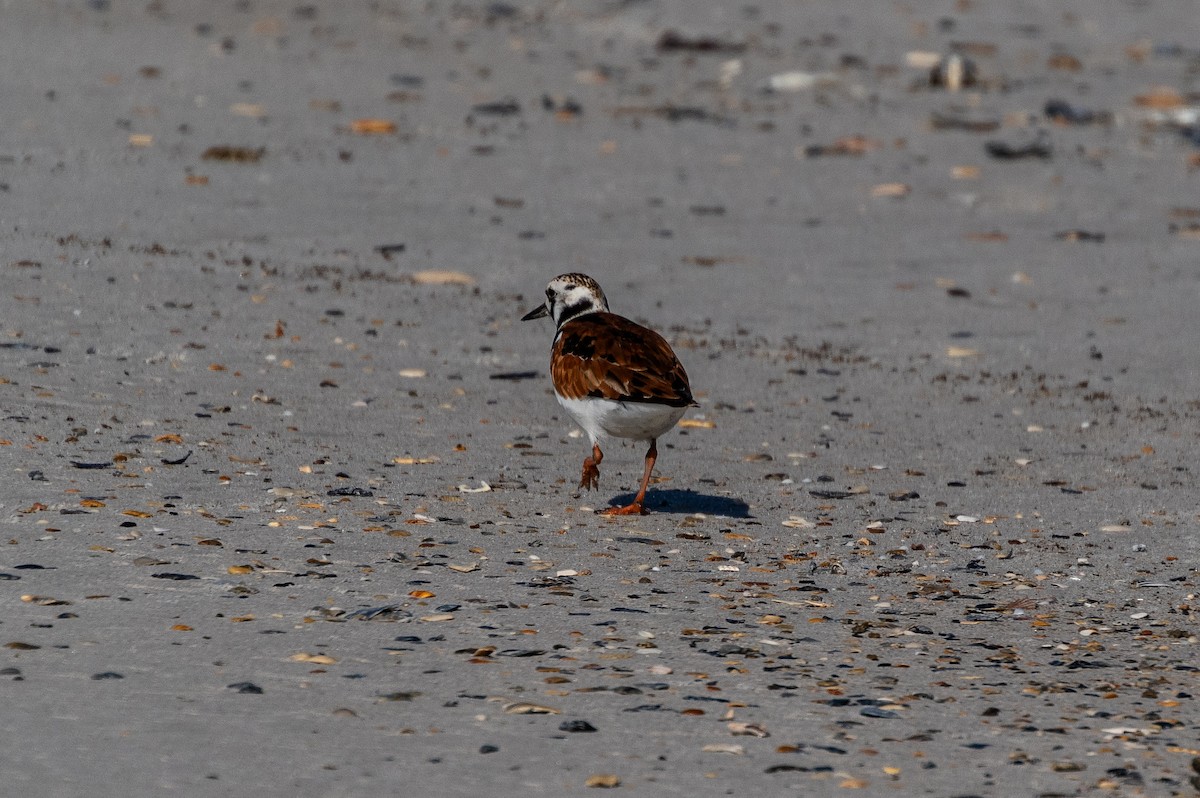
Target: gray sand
(932,531)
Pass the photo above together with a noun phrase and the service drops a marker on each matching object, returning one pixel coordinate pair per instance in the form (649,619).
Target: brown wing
(607,356)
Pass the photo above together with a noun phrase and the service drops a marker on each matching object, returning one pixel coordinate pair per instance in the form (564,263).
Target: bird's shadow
(687,501)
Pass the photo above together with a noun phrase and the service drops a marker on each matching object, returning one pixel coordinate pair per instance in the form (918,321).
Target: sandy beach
(290,506)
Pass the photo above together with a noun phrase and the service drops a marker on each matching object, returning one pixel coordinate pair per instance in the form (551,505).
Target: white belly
(641,421)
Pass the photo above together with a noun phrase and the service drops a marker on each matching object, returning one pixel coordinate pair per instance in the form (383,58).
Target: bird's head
(569,296)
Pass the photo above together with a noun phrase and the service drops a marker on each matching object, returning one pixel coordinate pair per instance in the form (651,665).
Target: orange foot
(591,470)
(630,509)
(591,476)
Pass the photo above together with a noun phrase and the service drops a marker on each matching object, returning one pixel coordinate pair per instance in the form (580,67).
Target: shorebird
(615,377)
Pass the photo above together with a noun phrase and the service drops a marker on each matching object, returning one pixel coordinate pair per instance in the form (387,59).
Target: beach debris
(234,154)
(1038,148)
(372,127)
(505,107)
(672,41)
(1062,112)
(602,780)
(796,81)
(953,72)
(854,146)
(441,277)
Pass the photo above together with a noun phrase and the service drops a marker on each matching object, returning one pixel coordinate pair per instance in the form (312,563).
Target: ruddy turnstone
(615,377)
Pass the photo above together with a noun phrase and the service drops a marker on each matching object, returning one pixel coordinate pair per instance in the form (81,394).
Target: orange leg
(591,471)
(636,508)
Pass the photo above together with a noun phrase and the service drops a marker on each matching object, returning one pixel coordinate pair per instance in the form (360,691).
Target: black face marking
(571,311)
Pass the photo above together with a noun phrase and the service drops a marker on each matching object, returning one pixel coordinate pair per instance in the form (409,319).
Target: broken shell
(604,780)
(954,73)
(523,708)
(747,729)
(724,748)
(441,277)
(313,659)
